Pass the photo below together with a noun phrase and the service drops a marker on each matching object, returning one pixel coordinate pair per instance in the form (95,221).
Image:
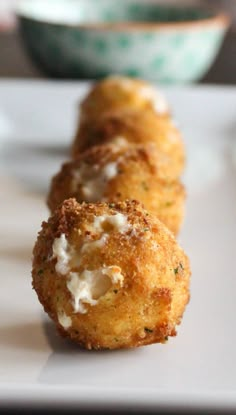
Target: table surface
(15,63)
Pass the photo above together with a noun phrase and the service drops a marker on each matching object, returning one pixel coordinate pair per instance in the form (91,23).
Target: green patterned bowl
(91,39)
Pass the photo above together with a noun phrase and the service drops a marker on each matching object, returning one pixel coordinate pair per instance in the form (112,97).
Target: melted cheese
(157,100)
(89,286)
(146,92)
(64,320)
(118,222)
(62,252)
(92,180)
(90,245)
(119,142)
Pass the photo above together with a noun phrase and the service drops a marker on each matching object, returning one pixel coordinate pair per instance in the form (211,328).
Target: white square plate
(195,370)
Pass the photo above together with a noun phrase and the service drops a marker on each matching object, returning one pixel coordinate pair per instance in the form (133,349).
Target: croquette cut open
(110,275)
(111,173)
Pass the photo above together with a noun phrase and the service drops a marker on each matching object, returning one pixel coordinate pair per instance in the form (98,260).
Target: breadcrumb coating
(128,128)
(118,93)
(108,173)
(110,275)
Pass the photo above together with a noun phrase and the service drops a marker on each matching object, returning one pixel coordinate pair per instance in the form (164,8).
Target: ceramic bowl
(91,39)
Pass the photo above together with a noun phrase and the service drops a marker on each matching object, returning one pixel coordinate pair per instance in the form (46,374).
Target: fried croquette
(135,128)
(118,93)
(108,173)
(110,275)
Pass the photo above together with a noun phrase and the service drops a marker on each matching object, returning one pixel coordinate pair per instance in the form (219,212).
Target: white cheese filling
(157,100)
(119,142)
(118,222)
(147,92)
(99,243)
(89,286)
(109,171)
(64,320)
(62,252)
(93,181)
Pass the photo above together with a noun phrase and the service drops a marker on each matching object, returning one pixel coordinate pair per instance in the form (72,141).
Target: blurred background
(14,62)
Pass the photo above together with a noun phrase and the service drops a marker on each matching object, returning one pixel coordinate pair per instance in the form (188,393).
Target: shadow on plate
(27,336)
(32,164)
(70,364)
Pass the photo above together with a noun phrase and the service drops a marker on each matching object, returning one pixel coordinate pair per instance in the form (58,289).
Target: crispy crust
(153,297)
(137,128)
(142,174)
(117,93)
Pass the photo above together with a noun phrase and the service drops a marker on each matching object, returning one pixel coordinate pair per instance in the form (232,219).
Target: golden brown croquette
(135,128)
(110,275)
(108,173)
(118,93)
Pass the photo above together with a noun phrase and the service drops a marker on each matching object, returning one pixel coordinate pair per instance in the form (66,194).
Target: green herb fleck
(115,339)
(40,272)
(146,229)
(148,330)
(166,338)
(145,186)
(115,291)
(111,205)
(168,204)
(180,268)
